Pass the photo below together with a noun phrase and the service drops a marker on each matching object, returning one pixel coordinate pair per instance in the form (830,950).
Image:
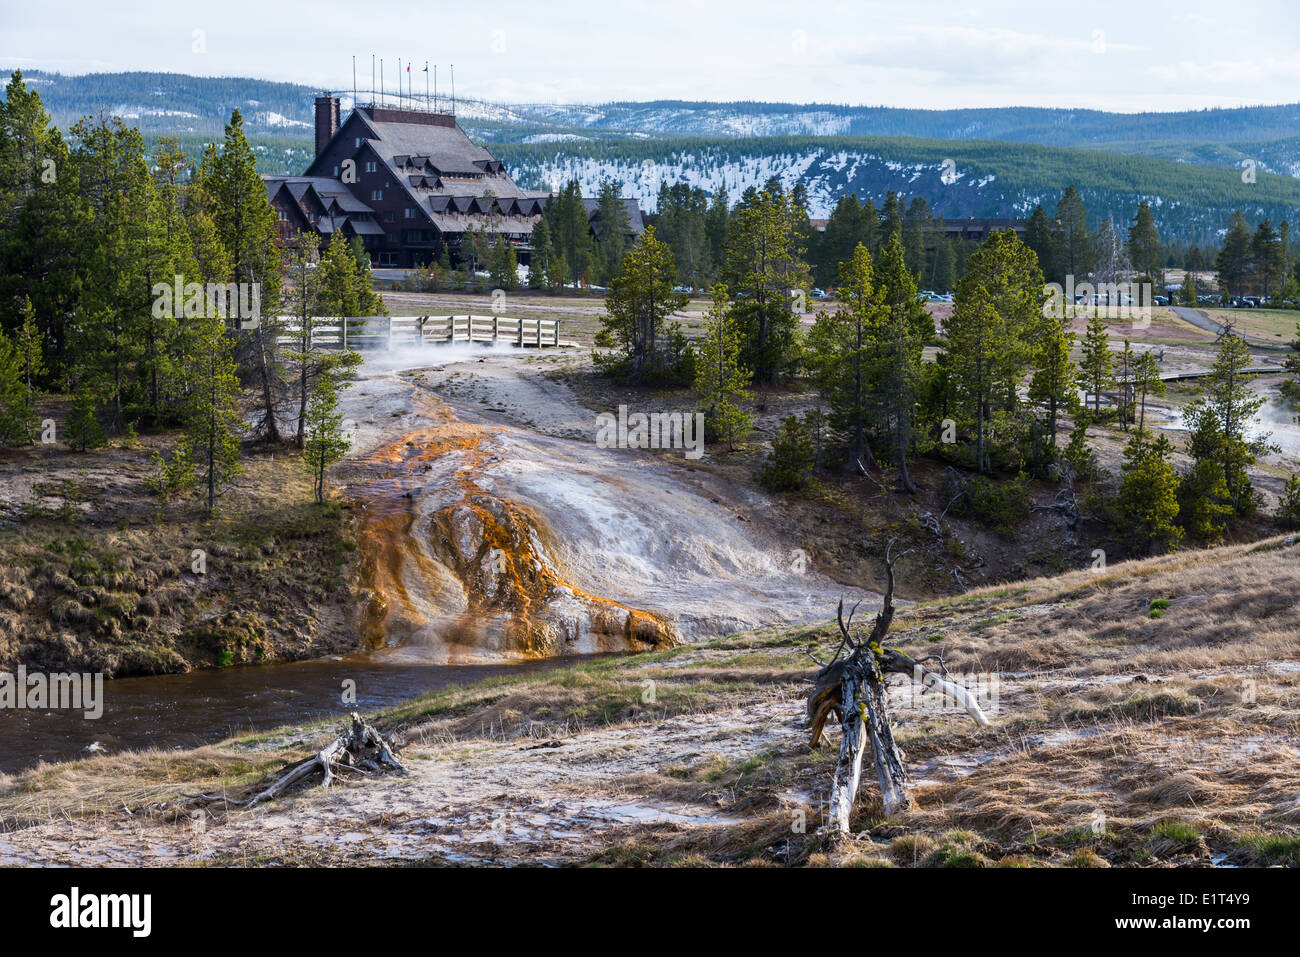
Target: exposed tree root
(360,748)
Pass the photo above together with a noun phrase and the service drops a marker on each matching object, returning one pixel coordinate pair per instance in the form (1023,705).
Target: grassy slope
(94,576)
(1106,713)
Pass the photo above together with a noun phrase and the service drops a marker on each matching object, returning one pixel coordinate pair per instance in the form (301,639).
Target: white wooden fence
(389,332)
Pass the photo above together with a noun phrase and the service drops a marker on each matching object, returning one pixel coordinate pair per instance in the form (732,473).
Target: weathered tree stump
(853,687)
(360,748)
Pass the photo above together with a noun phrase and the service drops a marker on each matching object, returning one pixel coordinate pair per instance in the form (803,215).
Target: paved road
(1198,318)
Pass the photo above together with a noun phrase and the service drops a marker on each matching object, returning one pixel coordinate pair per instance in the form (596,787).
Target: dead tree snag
(852,686)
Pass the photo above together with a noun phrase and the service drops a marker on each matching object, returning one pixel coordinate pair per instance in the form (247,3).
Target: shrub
(1000,505)
(84,430)
(1288,505)
(791,460)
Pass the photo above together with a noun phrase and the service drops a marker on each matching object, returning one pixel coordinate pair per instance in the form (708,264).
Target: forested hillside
(986,163)
(957,179)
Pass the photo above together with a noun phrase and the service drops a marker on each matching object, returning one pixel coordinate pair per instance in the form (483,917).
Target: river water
(181,711)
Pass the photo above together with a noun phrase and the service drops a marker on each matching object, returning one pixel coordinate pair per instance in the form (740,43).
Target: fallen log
(359,747)
(853,688)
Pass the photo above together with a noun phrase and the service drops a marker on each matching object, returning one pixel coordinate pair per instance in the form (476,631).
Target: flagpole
(426,85)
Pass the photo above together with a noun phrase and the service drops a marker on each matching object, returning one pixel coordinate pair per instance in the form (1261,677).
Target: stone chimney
(327,121)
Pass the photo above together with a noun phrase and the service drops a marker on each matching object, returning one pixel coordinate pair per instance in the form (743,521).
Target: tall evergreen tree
(1042,238)
(764,266)
(1054,385)
(1220,422)
(1074,240)
(539,263)
(1144,250)
(1233,262)
(720,379)
(987,341)
(1096,363)
(612,230)
(640,300)
(849,337)
(229,189)
(903,330)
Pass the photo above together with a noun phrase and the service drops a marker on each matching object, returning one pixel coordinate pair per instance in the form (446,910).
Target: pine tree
(1147,507)
(1203,497)
(1042,238)
(612,231)
(1144,249)
(539,264)
(83,430)
(764,266)
(326,441)
(1124,379)
(229,189)
(945,265)
(1054,385)
(31,357)
(118,297)
(1266,258)
(1187,292)
(640,299)
(1096,362)
(852,353)
(505,265)
(15,405)
(1073,240)
(212,418)
(1233,262)
(903,329)
(997,313)
(720,379)
(1146,382)
(917,222)
(1220,419)
(791,460)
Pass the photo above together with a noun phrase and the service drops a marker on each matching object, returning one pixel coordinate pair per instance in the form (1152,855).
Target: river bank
(698,755)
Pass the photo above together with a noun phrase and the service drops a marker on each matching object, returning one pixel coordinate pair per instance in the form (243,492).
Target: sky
(1122,56)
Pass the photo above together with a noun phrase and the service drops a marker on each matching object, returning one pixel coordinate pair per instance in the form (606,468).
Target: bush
(84,430)
(1000,505)
(1288,505)
(791,460)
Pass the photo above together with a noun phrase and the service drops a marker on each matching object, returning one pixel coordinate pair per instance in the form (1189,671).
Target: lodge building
(409,183)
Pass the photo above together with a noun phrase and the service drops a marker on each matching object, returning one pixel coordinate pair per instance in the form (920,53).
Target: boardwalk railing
(390,332)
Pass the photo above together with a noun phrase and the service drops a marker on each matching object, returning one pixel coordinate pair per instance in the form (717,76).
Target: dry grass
(1119,740)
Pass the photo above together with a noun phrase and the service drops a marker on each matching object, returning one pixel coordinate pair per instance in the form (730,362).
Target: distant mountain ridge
(180,103)
(996,162)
